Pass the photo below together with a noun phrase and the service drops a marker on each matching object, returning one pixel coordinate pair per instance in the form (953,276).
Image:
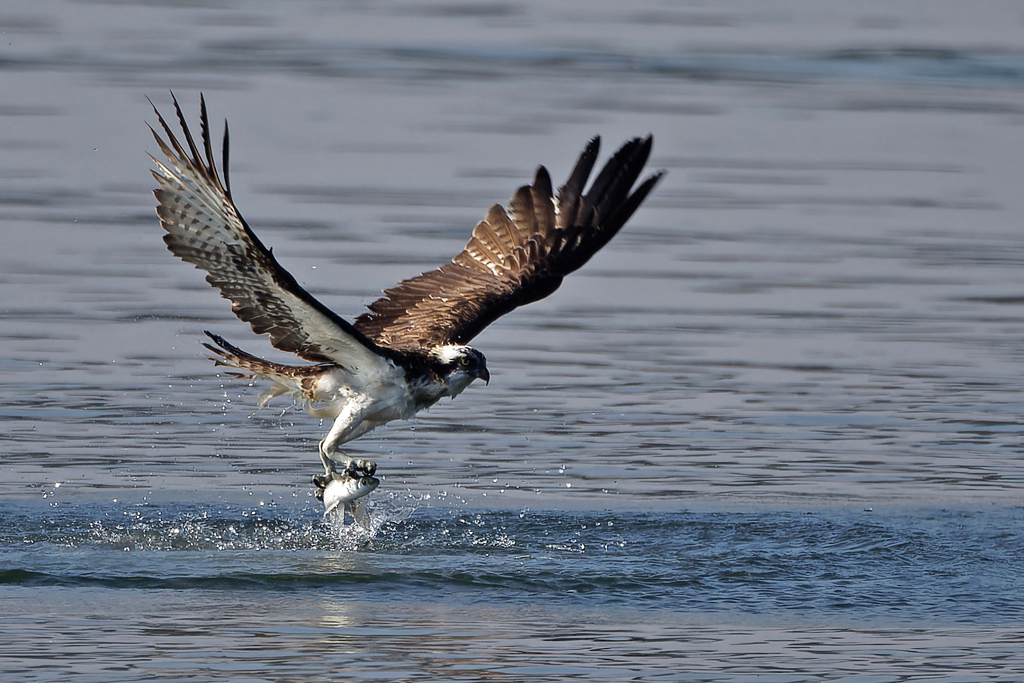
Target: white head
(458,366)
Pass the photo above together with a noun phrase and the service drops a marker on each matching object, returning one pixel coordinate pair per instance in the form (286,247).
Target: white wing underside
(205,229)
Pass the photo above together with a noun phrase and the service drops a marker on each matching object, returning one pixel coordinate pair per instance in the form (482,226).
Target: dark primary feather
(205,228)
(515,256)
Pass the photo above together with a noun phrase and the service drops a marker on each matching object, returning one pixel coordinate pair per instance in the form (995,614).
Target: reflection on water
(818,311)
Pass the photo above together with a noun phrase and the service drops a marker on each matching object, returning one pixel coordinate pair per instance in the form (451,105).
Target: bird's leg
(347,426)
(355,467)
(320,481)
(326,460)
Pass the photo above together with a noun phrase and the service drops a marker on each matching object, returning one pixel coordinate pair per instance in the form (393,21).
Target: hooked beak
(483,374)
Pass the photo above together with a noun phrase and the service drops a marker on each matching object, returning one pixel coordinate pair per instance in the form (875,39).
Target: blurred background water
(772,432)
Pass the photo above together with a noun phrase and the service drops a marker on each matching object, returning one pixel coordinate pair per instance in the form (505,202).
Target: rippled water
(771,433)
(270,592)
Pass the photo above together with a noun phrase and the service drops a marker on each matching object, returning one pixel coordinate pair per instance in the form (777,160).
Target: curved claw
(353,466)
(320,481)
(360,468)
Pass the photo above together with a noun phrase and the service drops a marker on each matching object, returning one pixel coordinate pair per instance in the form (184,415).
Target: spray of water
(382,513)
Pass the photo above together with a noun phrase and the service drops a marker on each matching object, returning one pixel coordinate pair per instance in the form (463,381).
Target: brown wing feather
(205,228)
(515,256)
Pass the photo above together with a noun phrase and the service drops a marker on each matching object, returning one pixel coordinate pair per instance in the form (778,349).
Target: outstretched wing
(516,255)
(205,228)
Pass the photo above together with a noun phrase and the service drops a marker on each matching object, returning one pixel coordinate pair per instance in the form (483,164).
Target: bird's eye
(464,361)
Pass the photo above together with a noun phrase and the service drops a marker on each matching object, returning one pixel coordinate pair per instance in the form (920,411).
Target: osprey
(410,348)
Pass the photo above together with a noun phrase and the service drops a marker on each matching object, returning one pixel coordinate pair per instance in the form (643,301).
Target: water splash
(381,514)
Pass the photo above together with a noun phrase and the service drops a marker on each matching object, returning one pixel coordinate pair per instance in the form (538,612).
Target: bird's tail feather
(287,379)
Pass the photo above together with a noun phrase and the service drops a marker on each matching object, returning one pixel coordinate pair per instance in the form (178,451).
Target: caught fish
(346,490)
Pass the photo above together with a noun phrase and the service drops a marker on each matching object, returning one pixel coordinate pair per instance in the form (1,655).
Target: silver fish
(346,490)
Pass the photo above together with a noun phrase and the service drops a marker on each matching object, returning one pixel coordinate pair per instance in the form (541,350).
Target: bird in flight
(410,348)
